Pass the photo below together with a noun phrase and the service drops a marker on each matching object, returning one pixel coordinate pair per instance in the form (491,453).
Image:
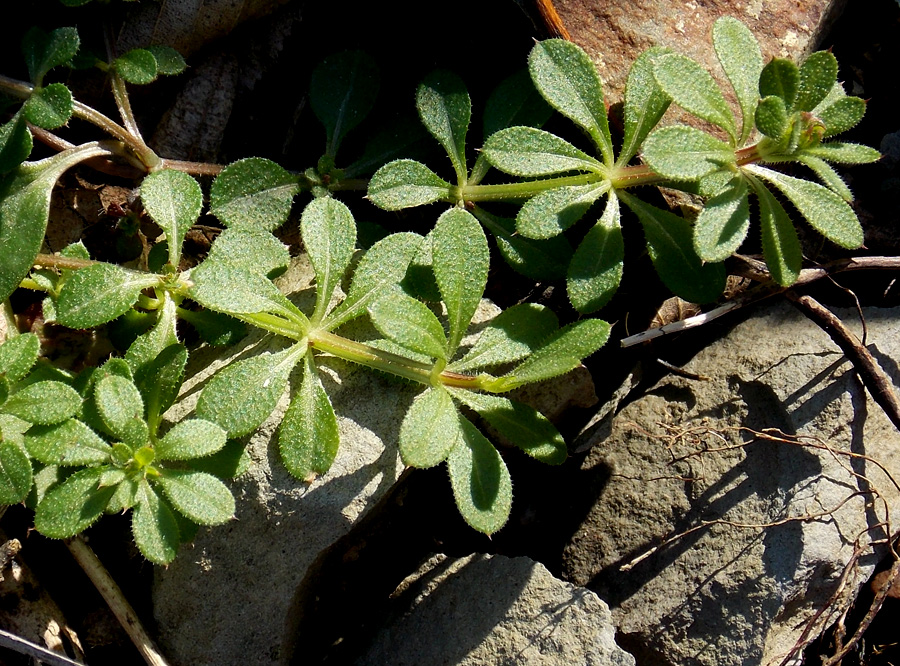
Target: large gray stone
(683,456)
(485,609)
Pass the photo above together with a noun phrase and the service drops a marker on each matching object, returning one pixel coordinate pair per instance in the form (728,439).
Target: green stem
(273,324)
(57,261)
(524,190)
(8,326)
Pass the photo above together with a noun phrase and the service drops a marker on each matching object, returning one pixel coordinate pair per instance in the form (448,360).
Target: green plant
(109,447)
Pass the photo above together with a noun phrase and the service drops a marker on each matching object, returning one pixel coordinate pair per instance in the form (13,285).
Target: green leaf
(253,192)
(154,526)
(536,259)
(70,443)
(174,200)
(771,117)
(342,91)
(515,102)
(521,425)
(198,495)
(430,429)
(18,355)
(692,88)
(552,212)
(143,353)
(234,290)
(409,323)
(723,223)
(309,437)
(460,260)
(231,461)
(781,247)
(44,402)
(15,473)
(169,61)
(24,209)
(122,409)
(842,115)
(564,74)
(241,396)
(561,352)
(406,183)
(193,438)
(780,78)
(383,266)
(680,152)
(329,235)
(15,144)
(645,102)
(817,76)
(74,505)
(509,337)
(670,242)
(45,51)
(445,109)
(99,293)
(823,209)
(137,66)
(596,269)
(481,484)
(251,249)
(49,107)
(828,176)
(525,151)
(844,153)
(738,51)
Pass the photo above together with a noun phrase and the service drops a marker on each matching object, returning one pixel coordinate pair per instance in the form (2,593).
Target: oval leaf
(410,324)
(49,107)
(680,152)
(45,51)
(817,76)
(169,61)
(122,409)
(780,78)
(430,429)
(253,192)
(193,438)
(15,473)
(771,117)
(17,355)
(445,109)
(99,293)
(67,444)
(407,183)
(645,102)
(138,66)
(198,495)
(251,249)
(73,506)
(781,246)
(329,235)
(46,403)
(525,151)
(552,212)
(723,223)
(693,89)
(596,269)
(154,526)
(738,52)
(174,200)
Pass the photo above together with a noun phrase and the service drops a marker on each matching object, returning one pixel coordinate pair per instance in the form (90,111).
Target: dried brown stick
(873,377)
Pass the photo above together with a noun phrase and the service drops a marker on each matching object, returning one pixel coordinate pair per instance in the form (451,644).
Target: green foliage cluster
(76,446)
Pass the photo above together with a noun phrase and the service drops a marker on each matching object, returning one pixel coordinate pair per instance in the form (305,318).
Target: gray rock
(494,610)
(225,597)
(749,573)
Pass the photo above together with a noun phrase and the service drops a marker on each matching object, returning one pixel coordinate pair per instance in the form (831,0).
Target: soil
(272,120)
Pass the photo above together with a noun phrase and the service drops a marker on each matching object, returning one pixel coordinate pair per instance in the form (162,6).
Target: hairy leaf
(242,395)
(828,176)
(844,153)
(329,234)
(460,262)
(309,436)
(198,495)
(409,323)
(510,336)
(738,51)
(74,505)
(781,247)
(645,102)
(193,438)
(15,473)
(781,78)
(842,115)
(525,151)
(45,402)
(251,249)
(137,66)
(99,293)
(15,144)
(45,51)
(253,192)
(169,61)
(823,209)
(817,76)
(67,444)
(596,269)
(680,152)
(670,242)
(520,424)
(49,107)
(445,109)
(552,212)
(342,91)
(481,483)
(723,223)
(564,74)
(406,183)
(538,259)
(17,356)
(234,290)
(430,429)
(692,88)
(174,200)
(771,116)
(154,526)
(122,409)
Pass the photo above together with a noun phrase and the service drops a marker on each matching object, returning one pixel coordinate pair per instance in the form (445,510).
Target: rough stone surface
(487,609)
(682,457)
(615,32)
(225,597)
